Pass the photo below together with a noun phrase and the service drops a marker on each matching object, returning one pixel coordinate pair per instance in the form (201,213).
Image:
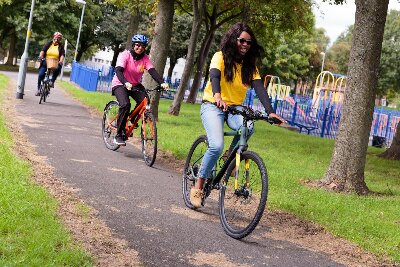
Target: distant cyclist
(52,49)
(128,74)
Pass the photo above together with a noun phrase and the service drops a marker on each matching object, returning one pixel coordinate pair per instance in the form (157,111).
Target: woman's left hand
(274,115)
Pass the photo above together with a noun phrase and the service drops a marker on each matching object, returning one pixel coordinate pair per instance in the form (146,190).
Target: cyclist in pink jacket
(129,71)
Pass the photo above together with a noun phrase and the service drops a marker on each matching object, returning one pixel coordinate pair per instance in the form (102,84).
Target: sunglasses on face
(242,41)
(140,45)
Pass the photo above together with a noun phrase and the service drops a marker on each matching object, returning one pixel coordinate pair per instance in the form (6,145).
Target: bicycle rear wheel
(109,125)
(241,209)
(148,136)
(192,167)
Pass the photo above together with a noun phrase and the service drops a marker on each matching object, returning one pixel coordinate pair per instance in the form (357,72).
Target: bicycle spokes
(243,197)
(192,167)
(149,138)
(109,125)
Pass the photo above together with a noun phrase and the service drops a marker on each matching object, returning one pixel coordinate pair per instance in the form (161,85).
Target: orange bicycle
(148,129)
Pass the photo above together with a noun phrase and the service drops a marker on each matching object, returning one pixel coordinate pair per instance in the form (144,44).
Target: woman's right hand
(219,102)
(128,85)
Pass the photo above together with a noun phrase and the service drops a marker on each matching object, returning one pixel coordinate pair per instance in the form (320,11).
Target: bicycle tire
(192,166)
(241,210)
(109,125)
(148,135)
(45,91)
(41,89)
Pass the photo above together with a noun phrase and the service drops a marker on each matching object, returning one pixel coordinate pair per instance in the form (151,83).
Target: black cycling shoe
(119,140)
(51,84)
(37,93)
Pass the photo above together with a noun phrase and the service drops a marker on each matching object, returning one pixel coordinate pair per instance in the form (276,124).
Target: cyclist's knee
(216,149)
(125,106)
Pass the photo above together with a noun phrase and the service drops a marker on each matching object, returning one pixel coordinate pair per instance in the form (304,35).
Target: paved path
(142,205)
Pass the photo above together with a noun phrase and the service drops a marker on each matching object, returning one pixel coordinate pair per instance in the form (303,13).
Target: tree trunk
(11,49)
(172,63)
(393,152)
(198,7)
(116,50)
(205,48)
(160,46)
(346,170)
(134,21)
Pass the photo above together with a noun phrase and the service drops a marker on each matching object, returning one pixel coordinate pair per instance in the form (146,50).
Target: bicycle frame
(137,113)
(237,150)
(47,76)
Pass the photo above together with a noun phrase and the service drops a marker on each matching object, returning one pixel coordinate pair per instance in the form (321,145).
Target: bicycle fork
(244,135)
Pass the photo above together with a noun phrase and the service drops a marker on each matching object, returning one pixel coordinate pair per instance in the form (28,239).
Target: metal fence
(319,120)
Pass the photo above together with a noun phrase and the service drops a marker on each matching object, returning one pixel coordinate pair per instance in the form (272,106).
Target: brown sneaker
(196,196)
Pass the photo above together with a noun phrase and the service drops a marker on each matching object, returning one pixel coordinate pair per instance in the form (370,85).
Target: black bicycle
(241,178)
(44,89)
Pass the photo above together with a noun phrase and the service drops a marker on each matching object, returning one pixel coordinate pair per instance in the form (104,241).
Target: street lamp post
(24,58)
(65,56)
(80,27)
(323,61)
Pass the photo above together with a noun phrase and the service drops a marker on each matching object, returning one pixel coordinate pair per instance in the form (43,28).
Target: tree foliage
(389,68)
(48,17)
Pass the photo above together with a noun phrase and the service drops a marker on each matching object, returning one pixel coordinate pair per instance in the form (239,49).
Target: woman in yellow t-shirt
(52,49)
(232,71)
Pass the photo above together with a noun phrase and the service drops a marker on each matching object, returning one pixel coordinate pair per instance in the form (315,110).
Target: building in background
(101,58)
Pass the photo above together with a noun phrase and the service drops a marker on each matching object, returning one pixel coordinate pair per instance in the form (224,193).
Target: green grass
(372,222)
(30,231)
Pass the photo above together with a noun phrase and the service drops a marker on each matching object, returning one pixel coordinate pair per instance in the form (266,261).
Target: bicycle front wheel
(192,167)
(242,206)
(41,92)
(109,125)
(148,136)
(45,91)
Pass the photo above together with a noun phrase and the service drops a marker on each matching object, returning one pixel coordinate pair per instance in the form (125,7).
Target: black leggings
(122,94)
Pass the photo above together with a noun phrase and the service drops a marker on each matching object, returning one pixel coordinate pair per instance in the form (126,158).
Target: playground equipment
(329,91)
(275,89)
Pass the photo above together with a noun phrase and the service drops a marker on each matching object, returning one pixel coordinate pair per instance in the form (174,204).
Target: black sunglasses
(242,41)
(140,45)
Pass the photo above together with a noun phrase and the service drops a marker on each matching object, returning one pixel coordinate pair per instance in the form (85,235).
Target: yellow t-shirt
(233,93)
(53,52)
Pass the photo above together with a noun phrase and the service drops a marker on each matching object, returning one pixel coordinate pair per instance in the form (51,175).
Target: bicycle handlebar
(158,88)
(250,114)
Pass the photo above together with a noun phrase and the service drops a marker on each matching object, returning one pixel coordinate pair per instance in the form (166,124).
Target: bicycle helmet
(140,38)
(57,35)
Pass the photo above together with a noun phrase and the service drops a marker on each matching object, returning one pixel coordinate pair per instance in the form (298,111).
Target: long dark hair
(230,53)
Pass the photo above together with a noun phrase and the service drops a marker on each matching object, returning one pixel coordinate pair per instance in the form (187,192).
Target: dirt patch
(287,227)
(98,239)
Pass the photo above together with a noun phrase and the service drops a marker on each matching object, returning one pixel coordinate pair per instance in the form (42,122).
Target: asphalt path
(140,204)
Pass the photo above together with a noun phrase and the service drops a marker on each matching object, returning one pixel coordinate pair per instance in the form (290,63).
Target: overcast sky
(336,18)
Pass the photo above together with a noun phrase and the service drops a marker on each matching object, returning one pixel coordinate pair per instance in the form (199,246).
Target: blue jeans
(213,121)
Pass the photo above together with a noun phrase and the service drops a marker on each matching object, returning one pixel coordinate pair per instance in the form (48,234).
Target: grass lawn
(30,231)
(372,222)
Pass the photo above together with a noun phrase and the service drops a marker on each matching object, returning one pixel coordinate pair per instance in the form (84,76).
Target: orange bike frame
(137,113)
